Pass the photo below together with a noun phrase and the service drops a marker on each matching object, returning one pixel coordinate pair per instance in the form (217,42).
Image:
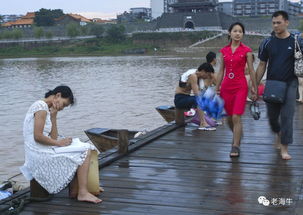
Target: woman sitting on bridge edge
(53,171)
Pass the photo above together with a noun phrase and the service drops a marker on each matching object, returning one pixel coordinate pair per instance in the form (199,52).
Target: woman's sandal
(235,152)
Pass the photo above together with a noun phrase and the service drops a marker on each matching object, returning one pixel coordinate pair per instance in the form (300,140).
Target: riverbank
(139,43)
(176,43)
(87,47)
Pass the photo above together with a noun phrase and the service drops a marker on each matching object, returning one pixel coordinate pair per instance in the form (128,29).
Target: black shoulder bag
(275,91)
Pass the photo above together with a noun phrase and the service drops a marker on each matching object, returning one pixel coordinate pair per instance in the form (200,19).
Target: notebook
(76,146)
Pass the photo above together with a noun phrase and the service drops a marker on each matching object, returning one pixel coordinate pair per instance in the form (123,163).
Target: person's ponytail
(49,93)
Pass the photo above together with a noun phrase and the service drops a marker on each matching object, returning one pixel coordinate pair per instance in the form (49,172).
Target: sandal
(207,128)
(235,152)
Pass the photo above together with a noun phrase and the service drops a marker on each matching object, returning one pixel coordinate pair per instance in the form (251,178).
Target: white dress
(52,171)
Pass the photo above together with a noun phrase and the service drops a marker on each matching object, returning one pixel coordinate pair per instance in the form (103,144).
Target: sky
(88,8)
(105,9)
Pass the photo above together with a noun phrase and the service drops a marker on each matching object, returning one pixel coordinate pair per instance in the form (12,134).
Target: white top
(185,75)
(52,170)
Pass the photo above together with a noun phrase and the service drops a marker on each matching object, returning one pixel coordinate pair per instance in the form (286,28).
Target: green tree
(7,34)
(73,30)
(116,33)
(48,34)
(97,30)
(38,32)
(84,30)
(17,34)
(45,17)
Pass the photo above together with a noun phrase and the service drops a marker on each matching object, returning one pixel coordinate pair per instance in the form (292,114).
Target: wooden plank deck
(189,172)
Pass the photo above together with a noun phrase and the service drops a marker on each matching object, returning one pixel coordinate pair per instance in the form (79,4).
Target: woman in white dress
(53,171)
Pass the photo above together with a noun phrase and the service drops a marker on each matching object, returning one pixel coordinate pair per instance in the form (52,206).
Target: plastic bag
(211,103)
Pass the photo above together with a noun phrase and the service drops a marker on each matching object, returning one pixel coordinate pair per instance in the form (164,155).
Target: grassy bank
(166,43)
(103,46)
(90,47)
(172,39)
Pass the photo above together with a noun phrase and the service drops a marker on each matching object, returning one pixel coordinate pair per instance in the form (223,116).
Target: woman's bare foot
(284,152)
(73,193)
(88,197)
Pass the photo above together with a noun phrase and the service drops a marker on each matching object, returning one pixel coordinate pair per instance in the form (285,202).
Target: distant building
(141,13)
(24,22)
(194,6)
(294,8)
(264,7)
(72,18)
(103,21)
(191,21)
(158,7)
(225,7)
(141,10)
(135,14)
(10,18)
(193,15)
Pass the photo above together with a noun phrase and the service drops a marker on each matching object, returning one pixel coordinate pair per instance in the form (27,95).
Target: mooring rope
(14,176)
(15,206)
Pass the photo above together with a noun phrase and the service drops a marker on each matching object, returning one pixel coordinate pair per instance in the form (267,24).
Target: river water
(111,92)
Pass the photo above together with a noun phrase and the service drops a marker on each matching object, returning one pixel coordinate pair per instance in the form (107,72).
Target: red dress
(234,85)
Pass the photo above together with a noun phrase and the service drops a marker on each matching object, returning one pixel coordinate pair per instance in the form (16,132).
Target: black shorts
(183,101)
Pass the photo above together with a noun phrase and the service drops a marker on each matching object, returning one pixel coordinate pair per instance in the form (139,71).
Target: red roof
(79,17)
(28,19)
(29,15)
(19,22)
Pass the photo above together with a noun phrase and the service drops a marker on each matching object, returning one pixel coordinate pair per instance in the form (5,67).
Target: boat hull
(105,139)
(167,112)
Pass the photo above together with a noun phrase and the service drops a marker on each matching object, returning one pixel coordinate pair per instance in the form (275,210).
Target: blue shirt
(279,53)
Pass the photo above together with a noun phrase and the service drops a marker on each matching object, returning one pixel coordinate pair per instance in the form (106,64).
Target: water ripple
(112,92)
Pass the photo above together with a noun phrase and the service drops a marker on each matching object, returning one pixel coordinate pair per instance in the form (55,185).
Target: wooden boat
(105,139)
(167,112)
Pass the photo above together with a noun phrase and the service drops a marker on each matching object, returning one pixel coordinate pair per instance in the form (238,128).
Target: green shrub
(38,32)
(97,30)
(116,33)
(48,34)
(17,34)
(73,30)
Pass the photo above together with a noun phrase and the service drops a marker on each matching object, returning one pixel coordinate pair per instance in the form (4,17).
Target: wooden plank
(123,141)
(186,171)
(140,143)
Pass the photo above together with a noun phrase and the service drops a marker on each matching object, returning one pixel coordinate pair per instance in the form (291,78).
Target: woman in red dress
(233,89)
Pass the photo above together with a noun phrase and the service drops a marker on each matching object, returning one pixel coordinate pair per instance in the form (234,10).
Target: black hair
(233,25)
(210,57)
(65,91)
(282,13)
(207,67)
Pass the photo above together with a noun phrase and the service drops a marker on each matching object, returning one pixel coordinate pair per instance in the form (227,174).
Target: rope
(14,176)
(15,206)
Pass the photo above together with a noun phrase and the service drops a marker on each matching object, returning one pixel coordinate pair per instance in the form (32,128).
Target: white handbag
(298,58)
